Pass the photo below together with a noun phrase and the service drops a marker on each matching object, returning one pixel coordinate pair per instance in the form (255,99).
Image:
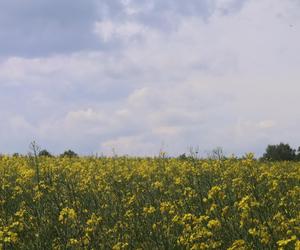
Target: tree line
(46,153)
(277,152)
(281,152)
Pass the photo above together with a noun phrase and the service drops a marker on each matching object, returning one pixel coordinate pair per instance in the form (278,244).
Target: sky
(138,77)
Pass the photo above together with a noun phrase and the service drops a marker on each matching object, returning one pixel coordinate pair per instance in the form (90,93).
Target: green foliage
(184,157)
(298,154)
(148,203)
(280,152)
(44,152)
(69,153)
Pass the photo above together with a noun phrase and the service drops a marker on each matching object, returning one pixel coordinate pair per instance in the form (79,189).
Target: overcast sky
(140,76)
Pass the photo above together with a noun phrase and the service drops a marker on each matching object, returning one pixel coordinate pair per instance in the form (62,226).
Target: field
(148,203)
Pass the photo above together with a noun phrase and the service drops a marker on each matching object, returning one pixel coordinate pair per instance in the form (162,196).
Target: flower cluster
(148,203)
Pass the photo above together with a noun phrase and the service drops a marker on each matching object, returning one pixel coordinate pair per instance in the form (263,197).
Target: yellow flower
(177,181)
(253,231)
(213,192)
(285,242)
(225,211)
(120,245)
(67,214)
(73,242)
(149,210)
(238,245)
(214,224)
(157,185)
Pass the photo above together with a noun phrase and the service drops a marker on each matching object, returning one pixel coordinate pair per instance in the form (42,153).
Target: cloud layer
(140,76)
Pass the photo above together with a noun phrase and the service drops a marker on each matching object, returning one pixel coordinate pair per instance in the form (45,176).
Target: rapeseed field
(148,203)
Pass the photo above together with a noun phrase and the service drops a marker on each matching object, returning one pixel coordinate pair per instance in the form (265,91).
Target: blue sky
(139,76)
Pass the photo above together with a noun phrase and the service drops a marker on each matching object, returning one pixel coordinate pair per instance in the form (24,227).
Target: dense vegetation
(148,203)
(281,152)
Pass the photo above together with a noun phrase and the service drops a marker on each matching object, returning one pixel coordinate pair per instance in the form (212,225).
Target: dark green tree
(280,152)
(44,152)
(298,154)
(182,157)
(69,153)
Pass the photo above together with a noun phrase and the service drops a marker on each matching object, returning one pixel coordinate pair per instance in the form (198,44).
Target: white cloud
(88,115)
(124,144)
(266,124)
(108,30)
(231,81)
(19,123)
(167,131)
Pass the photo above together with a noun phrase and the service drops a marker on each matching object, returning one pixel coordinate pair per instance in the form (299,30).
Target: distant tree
(69,153)
(280,152)
(182,157)
(44,152)
(194,152)
(216,154)
(298,154)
